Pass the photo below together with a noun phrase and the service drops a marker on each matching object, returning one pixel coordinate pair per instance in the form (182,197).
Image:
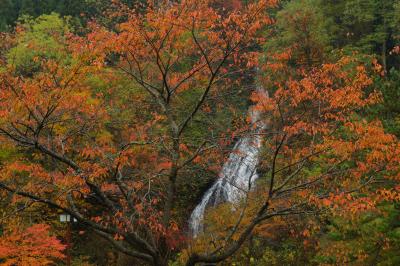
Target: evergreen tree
(370,26)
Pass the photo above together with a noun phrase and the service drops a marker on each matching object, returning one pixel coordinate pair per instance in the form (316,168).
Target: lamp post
(66,218)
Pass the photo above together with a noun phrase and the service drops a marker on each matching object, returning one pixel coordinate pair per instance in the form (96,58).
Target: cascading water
(236,178)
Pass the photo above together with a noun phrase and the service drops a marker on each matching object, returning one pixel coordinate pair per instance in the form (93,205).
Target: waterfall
(237,176)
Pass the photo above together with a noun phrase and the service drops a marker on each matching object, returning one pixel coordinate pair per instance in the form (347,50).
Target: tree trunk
(383,56)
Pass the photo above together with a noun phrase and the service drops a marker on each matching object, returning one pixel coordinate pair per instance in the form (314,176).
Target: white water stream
(236,178)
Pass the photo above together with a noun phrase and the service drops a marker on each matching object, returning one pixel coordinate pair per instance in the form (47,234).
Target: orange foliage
(80,160)
(85,155)
(30,247)
(317,116)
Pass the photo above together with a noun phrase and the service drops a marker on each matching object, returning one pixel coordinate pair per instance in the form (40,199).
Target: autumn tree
(32,246)
(320,154)
(121,181)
